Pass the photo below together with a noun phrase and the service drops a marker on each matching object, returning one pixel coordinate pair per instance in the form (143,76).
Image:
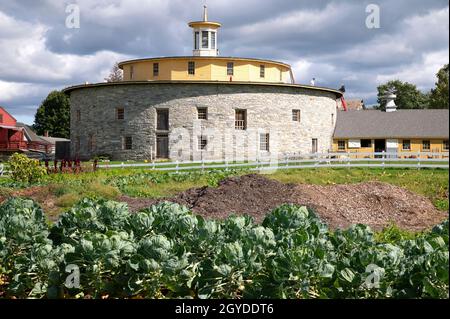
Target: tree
(408,96)
(116,74)
(439,95)
(53,116)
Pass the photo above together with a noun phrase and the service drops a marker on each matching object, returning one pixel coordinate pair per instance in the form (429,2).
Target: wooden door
(162,146)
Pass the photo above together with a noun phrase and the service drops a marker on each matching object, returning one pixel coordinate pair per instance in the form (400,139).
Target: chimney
(390,102)
(46,133)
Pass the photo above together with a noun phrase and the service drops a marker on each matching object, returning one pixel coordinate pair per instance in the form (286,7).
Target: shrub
(67,200)
(25,170)
(101,190)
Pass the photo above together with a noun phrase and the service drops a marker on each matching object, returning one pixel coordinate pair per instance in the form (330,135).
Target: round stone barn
(201,107)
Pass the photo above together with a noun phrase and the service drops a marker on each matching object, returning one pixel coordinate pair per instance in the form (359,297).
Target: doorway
(315,146)
(162,146)
(380,146)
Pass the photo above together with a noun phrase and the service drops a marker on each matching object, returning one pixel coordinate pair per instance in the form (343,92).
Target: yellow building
(405,132)
(206,64)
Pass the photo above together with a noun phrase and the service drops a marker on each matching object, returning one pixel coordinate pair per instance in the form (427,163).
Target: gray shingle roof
(53,140)
(31,135)
(398,124)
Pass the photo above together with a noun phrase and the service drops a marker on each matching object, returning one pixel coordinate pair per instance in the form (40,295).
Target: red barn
(13,138)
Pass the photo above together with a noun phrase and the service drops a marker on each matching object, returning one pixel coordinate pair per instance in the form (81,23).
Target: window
(426,145)
(314,145)
(332,119)
(213,40)
(230,68)
(162,120)
(205,42)
(120,113)
(77,145)
(445,145)
(131,72)
(406,145)
(191,67)
(92,142)
(262,71)
(128,143)
(202,113)
(78,115)
(366,143)
(240,120)
(155,69)
(264,142)
(202,143)
(296,115)
(341,145)
(1,118)
(196,40)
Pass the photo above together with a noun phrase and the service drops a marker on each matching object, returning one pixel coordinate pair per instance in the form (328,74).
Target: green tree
(53,116)
(116,74)
(408,96)
(439,95)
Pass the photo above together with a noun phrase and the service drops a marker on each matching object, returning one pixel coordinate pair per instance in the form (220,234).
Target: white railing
(313,160)
(416,160)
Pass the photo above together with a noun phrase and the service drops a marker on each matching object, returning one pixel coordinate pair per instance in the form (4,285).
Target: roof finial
(205,13)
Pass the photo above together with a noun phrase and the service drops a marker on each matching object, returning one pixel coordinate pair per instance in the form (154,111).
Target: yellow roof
(206,24)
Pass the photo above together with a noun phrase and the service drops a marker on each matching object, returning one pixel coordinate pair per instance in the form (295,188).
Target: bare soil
(375,204)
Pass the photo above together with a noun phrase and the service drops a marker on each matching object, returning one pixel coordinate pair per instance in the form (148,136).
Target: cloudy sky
(327,40)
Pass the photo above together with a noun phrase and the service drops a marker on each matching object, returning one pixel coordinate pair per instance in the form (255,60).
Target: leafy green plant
(393,234)
(165,251)
(25,170)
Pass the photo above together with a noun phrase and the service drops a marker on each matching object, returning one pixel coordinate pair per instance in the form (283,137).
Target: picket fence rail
(313,160)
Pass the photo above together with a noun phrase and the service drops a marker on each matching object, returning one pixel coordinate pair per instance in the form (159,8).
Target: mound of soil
(375,204)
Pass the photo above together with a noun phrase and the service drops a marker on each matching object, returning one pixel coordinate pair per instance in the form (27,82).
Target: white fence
(416,160)
(316,160)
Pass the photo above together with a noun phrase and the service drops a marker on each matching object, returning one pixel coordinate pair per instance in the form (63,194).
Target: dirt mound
(374,204)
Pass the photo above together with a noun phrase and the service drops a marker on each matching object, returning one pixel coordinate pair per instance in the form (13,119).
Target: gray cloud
(325,39)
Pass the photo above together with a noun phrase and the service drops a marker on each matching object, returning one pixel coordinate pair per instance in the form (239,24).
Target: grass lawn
(59,192)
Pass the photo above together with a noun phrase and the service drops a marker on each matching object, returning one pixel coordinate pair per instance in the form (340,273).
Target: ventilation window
(128,143)
(120,113)
(240,122)
(202,143)
(202,113)
(230,68)
(191,67)
(262,71)
(296,115)
(264,142)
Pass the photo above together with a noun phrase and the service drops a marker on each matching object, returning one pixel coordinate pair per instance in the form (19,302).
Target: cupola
(205,36)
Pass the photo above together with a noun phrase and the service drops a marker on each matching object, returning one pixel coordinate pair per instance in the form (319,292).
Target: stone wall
(269,110)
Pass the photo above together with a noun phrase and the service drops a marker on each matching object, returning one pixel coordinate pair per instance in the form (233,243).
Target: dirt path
(375,204)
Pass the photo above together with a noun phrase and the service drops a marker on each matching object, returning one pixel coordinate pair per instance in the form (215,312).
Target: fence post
(226,165)
(176,167)
(348,158)
(203,165)
(418,160)
(383,156)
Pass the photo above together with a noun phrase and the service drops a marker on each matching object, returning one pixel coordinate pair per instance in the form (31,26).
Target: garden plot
(374,204)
